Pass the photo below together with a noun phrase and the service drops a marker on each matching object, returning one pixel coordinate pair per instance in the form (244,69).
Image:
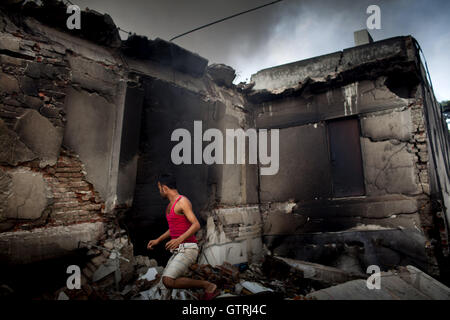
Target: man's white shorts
(182,258)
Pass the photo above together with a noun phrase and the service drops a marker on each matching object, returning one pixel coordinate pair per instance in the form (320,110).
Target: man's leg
(177,266)
(186,283)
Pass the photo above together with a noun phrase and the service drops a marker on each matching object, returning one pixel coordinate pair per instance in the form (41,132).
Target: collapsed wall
(173,99)
(110,111)
(86,128)
(355,138)
(49,203)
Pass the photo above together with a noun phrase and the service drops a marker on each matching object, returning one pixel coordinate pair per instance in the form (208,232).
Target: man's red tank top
(178,224)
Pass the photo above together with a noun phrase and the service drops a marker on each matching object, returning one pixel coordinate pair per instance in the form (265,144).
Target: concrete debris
(406,283)
(39,244)
(105,278)
(114,273)
(254,287)
(104,270)
(245,87)
(150,275)
(221,74)
(324,274)
(225,276)
(126,290)
(226,295)
(63,296)
(182,294)
(145,261)
(238,288)
(109,244)
(237,281)
(158,292)
(98,260)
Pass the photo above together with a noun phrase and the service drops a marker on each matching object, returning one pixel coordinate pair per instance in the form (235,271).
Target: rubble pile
(225,276)
(272,276)
(113,272)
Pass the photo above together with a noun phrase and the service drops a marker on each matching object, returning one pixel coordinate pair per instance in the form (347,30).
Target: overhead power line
(223,19)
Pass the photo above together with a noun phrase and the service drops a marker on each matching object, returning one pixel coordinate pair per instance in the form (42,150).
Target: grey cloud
(287,31)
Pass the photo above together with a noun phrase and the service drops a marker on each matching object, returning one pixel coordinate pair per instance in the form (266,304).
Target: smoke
(284,32)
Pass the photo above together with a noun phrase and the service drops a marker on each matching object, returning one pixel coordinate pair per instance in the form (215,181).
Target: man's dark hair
(168,179)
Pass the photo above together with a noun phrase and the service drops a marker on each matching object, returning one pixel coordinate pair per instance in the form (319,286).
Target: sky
(287,31)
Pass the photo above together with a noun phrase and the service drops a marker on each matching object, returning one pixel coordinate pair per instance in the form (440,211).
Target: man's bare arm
(186,207)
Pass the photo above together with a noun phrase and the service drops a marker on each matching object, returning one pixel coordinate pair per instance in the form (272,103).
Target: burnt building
(86,123)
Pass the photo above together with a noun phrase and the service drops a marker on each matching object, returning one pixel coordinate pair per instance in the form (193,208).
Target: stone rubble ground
(114,273)
(140,277)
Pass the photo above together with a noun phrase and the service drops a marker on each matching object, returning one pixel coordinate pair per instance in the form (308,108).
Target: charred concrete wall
(378,87)
(437,150)
(172,99)
(58,139)
(93,108)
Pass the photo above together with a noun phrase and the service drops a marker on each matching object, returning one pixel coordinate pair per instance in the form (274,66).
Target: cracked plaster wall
(295,99)
(43,183)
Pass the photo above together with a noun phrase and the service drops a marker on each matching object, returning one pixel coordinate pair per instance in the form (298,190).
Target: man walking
(182,228)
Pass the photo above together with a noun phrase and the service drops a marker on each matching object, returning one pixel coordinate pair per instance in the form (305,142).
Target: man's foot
(210,292)
(210,288)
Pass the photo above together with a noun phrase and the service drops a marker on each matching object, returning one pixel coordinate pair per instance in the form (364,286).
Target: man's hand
(152,243)
(173,244)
